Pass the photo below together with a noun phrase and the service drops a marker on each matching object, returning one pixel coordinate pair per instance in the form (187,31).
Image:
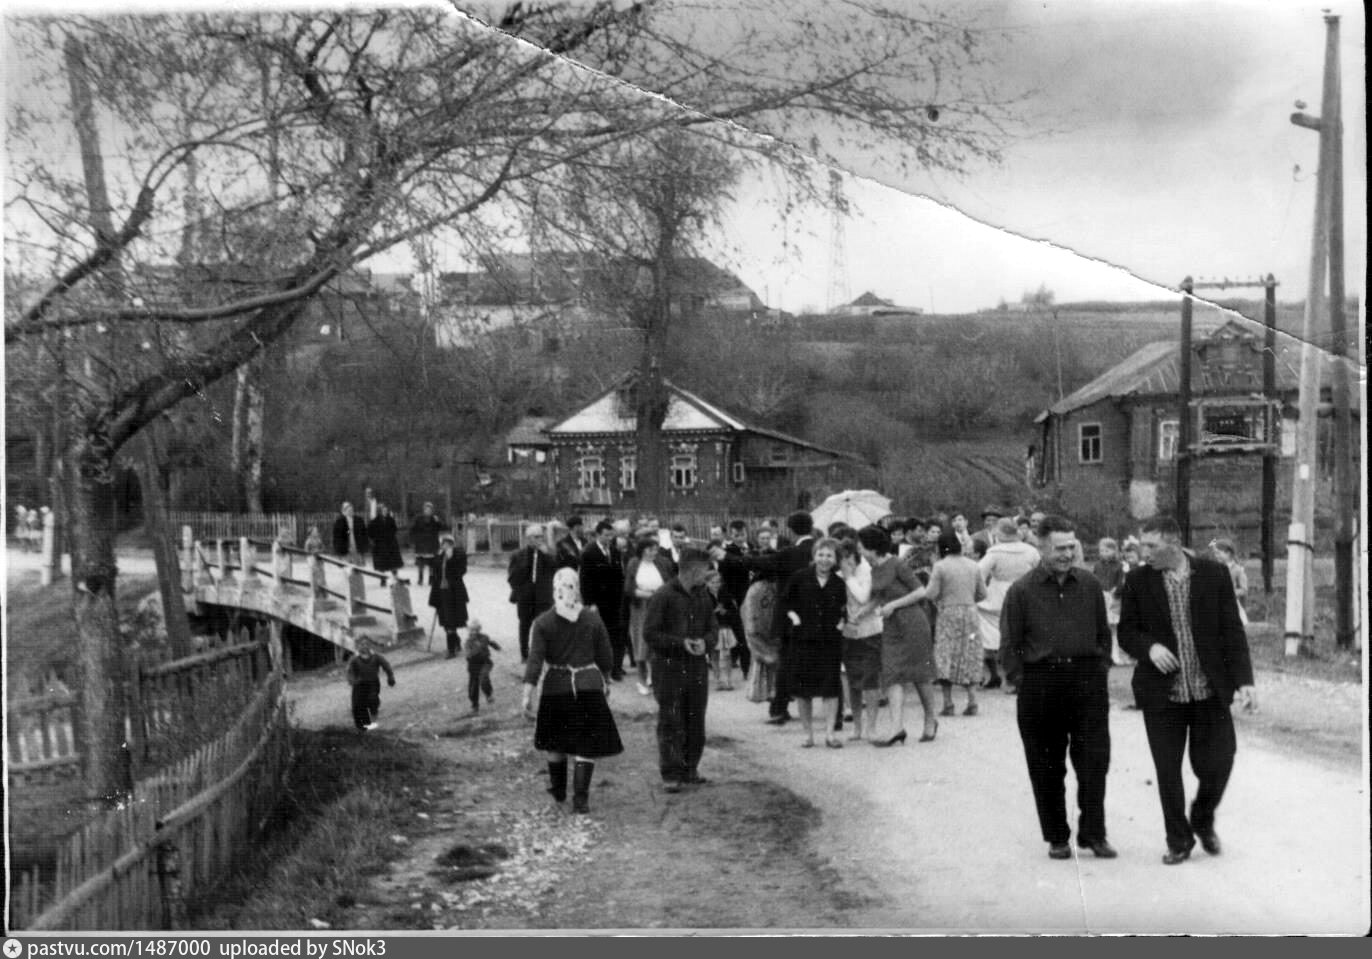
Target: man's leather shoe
(695,779)
(1101,848)
(1059,850)
(1209,841)
(1174,856)
(671,786)
(778,720)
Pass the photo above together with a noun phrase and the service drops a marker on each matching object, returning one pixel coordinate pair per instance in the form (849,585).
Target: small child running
(364,676)
(477,648)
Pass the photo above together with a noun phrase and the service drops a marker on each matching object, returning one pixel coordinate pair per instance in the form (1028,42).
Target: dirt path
(929,837)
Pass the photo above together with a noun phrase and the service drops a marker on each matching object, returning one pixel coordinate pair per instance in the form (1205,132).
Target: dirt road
(921,837)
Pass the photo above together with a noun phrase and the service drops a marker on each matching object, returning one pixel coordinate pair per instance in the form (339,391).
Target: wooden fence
(136,866)
(479,534)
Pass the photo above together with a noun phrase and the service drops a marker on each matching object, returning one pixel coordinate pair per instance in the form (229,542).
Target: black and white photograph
(684,468)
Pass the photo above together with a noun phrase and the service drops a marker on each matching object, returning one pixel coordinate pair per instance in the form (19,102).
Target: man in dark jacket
(1180,620)
(424,533)
(531,582)
(602,586)
(350,535)
(680,629)
(571,546)
(1055,645)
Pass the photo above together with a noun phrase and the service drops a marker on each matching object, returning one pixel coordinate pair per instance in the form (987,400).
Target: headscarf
(567,594)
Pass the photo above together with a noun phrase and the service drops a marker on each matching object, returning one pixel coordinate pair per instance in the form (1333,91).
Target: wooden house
(1121,431)
(715,460)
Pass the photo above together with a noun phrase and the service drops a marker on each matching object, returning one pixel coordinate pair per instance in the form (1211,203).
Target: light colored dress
(649,578)
(955,586)
(1002,565)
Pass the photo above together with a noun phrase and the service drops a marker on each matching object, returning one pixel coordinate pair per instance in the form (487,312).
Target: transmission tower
(838,255)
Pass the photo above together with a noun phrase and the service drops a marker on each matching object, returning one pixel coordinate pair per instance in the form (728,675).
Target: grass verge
(331,831)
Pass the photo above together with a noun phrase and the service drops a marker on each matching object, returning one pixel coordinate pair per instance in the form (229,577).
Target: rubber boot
(581,786)
(557,778)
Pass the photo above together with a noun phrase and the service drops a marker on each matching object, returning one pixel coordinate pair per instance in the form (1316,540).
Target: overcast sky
(1158,144)
(1165,150)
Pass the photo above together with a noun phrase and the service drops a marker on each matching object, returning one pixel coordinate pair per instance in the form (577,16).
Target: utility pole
(1273,450)
(1300,545)
(1184,414)
(1345,490)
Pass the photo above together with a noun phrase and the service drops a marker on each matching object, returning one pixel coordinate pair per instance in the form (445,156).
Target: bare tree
(381,126)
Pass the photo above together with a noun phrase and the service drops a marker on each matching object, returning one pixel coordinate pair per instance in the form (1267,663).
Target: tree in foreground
(249,159)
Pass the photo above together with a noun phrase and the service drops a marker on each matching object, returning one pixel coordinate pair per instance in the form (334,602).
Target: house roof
(871,299)
(529,431)
(1156,369)
(686,412)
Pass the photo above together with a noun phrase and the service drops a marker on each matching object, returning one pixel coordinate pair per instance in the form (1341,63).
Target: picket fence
(133,867)
(479,534)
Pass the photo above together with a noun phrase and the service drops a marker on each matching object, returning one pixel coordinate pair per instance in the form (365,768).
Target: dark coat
(569,552)
(340,535)
(1221,643)
(602,582)
(450,604)
(385,544)
(781,566)
(733,572)
(424,532)
(524,591)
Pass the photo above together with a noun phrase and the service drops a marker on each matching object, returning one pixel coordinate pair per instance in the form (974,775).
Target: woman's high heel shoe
(929,737)
(897,738)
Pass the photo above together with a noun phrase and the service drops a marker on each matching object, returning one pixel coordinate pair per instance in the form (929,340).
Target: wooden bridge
(324,596)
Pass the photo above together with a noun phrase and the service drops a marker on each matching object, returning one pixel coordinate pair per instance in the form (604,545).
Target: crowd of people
(846,625)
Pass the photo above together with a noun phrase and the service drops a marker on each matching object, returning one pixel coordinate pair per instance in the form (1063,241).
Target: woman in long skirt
(574,717)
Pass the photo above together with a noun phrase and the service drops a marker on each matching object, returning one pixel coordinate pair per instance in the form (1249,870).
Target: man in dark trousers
(350,535)
(1179,618)
(602,586)
(680,629)
(1055,645)
(531,582)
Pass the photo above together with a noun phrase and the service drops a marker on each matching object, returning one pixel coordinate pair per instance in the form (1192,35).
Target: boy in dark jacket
(477,649)
(364,676)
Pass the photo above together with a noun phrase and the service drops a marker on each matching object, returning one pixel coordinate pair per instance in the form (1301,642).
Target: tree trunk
(99,647)
(650,394)
(164,549)
(254,412)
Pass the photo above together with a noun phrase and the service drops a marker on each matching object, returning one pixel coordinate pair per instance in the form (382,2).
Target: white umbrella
(855,507)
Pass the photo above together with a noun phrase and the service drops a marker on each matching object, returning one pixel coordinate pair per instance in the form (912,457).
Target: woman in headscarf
(757,612)
(573,718)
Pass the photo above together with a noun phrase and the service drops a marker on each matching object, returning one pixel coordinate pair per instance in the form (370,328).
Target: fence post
(357,592)
(187,560)
(224,574)
(247,559)
(490,537)
(201,567)
(319,599)
(52,559)
(277,554)
(169,885)
(401,609)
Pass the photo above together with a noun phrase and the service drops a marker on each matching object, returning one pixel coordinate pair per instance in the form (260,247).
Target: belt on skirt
(573,670)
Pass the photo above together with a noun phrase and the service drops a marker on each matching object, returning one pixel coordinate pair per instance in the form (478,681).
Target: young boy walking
(364,676)
(477,649)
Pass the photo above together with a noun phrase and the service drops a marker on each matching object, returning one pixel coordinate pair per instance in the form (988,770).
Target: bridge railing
(224,561)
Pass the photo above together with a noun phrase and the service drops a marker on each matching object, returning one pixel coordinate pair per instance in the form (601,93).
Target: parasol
(855,507)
